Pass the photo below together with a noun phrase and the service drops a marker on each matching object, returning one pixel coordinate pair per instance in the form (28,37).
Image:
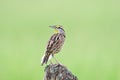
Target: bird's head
(58,28)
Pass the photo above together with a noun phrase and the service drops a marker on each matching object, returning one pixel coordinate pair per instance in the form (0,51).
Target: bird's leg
(51,62)
(56,60)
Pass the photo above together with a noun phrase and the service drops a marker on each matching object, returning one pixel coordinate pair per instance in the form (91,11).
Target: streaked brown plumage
(55,43)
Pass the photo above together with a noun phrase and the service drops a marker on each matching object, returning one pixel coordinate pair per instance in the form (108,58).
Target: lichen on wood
(58,72)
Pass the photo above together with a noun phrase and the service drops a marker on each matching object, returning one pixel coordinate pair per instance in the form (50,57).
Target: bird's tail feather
(45,58)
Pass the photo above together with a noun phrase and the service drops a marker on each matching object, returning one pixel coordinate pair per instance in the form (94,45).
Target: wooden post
(58,72)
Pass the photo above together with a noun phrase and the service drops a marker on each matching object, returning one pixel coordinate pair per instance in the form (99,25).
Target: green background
(92,47)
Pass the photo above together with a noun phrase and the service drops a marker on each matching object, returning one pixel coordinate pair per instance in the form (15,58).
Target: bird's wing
(53,43)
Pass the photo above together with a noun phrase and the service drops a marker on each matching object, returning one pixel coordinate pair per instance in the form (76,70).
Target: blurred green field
(92,46)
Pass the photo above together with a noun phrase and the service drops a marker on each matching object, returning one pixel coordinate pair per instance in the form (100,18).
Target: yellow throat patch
(56,31)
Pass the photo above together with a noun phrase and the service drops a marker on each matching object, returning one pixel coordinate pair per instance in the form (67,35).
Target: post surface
(58,72)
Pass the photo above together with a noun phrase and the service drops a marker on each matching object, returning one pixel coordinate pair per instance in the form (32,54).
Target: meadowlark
(55,43)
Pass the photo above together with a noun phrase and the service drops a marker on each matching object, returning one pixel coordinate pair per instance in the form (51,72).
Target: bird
(54,44)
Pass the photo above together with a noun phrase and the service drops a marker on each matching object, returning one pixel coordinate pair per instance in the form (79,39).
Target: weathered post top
(58,72)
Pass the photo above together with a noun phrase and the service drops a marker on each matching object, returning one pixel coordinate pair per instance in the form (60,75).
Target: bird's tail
(45,58)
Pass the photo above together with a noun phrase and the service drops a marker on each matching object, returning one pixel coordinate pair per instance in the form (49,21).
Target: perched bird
(55,43)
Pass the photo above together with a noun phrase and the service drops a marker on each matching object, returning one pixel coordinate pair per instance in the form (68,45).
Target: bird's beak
(54,27)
